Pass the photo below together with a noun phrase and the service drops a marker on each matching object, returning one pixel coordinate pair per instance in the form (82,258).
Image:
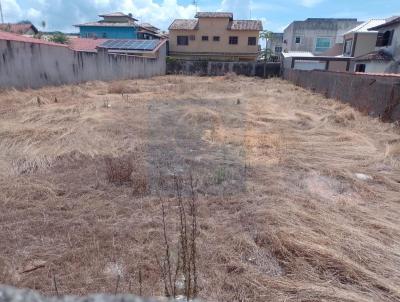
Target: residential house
(360,40)
(149,32)
(386,56)
(215,36)
(276,44)
(25,29)
(316,35)
(113,26)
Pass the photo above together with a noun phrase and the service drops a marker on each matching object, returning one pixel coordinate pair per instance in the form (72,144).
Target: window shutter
(379,39)
(391,38)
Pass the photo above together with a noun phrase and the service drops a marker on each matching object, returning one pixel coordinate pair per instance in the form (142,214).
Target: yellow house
(215,36)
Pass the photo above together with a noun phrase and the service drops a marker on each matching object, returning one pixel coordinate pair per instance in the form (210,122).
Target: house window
(278,49)
(384,38)
(360,68)
(216,38)
(183,40)
(322,44)
(233,40)
(204,38)
(298,40)
(348,47)
(252,41)
(192,37)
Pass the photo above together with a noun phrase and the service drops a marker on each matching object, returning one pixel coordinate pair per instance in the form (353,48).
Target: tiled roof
(17,28)
(380,55)
(108,24)
(148,25)
(214,15)
(116,14)
(245,25)
(87,45)
(184,24)
(14,37)
(391,21)
(192,24)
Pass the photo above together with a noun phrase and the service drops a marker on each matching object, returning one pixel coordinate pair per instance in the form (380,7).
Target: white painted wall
(31,65)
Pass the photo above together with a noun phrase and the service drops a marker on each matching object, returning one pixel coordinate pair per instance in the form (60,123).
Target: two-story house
(316,35)
(113,26)
(215,36)
(360,40)
(386,57)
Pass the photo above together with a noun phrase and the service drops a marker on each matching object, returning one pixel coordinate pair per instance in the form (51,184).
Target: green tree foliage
(59,38)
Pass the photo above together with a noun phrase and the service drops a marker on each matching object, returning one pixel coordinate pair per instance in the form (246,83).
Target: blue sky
(275,14)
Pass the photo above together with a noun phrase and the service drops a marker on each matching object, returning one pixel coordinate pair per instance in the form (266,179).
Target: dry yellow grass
(299,196)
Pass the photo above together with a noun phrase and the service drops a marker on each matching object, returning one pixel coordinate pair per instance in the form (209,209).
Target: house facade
(360,40)
(316,35)
(113,26)
(215,36)
(386,56)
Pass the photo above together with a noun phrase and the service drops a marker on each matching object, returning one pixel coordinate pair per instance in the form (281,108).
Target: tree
(267,36)
(266,52)
(59,37)
(24,22)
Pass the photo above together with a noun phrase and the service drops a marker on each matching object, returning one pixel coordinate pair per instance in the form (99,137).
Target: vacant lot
(297,196)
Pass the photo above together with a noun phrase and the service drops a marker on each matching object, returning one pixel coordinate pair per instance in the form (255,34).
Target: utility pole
(195,4)
(1,13)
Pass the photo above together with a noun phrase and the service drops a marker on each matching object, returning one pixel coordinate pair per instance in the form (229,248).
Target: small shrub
(59,38)
(119,170)
(220,176)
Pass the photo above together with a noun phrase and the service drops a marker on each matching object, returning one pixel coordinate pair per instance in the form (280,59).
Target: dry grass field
(297,196)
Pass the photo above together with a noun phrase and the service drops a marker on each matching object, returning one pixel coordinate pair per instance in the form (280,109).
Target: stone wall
(33,65)
(10,294)
(215,68)
(376,95)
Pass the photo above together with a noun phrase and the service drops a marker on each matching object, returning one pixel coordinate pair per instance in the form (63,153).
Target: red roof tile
(18,38)
(380,55)
(184,24)
(214,15)
(88,45)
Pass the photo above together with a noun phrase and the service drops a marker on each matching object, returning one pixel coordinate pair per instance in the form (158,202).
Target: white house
(386,57)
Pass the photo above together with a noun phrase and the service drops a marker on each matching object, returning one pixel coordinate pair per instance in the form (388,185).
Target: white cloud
(62,15)
(33,13)
(310,3)
(10,9)
(240,8)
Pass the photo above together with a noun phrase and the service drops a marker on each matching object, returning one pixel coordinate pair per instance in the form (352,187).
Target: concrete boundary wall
(215,68)
(33,65)
(373,94)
